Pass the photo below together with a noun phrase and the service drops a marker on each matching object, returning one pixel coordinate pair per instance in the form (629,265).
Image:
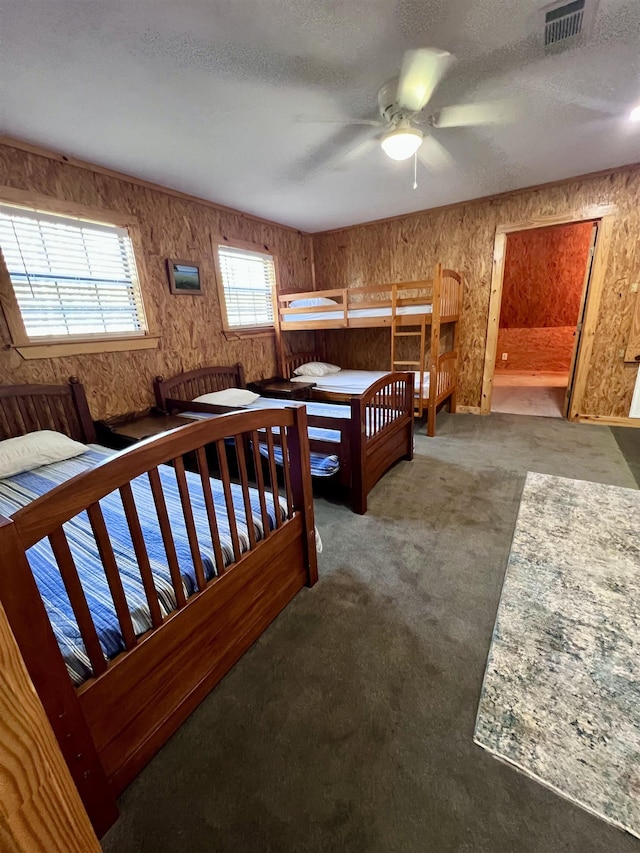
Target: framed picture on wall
(184,277)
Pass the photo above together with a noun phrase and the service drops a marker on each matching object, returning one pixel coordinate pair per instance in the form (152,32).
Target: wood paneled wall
(547,350)
(398,249)
(544,276)
(190,327)
(462,237)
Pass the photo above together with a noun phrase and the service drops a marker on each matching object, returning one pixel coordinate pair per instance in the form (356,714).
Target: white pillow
(26,452)
(228,397)
(316,368)
(312,302)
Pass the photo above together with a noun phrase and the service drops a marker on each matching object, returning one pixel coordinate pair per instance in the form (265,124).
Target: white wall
(635,403)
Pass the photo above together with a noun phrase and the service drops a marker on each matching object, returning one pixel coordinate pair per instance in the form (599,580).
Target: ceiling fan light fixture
(402,143)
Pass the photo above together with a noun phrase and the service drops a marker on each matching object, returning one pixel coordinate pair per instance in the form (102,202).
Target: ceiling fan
(401,103)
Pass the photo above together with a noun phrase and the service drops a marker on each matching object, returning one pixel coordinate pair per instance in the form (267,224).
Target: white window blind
(71,278)
(247,280)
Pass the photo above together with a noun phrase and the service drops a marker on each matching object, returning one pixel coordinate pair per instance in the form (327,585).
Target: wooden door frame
(605,216)
(586,279)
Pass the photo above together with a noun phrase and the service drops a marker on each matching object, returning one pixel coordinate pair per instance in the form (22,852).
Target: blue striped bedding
(322,464)
(21,489)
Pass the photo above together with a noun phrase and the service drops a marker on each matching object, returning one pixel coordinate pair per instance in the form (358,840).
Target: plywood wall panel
(544,276)
(548,349)
(633,345)
(462,238)
(190,327)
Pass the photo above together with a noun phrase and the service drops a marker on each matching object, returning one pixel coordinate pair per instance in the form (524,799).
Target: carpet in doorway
(561,695)
(544,401)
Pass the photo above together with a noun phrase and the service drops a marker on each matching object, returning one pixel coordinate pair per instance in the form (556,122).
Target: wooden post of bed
(358,439)
(302,488)
(453,400)
(34,779)
(31,627)
(434,354)
(280,360)
(82,407)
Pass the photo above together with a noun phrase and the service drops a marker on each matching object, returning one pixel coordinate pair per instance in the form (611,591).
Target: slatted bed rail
(243,573)
(379,296)
(445,289)
(451,296)
(446,378)
(382,422)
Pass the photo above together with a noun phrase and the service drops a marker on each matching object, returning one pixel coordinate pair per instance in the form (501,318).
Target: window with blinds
(247,283)
(71,278)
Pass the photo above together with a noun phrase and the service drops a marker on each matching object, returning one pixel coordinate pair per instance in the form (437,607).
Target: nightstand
(119,433)
(282,389)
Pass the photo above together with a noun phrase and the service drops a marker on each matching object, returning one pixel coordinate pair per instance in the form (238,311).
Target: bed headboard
(63,408)
(194,383)
(294,360)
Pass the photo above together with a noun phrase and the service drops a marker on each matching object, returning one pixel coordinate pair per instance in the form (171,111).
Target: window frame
(58,346)
(232,332)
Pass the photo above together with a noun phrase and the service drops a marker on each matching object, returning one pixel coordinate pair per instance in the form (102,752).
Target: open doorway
(545,281)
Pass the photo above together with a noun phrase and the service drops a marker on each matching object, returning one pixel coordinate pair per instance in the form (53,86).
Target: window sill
(58,348)
(237,334)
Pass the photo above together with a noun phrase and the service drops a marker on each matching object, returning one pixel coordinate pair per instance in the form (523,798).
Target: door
(578,332)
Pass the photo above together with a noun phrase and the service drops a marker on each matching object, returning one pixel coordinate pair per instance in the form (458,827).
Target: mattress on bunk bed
(355,313)
(355,381)
(20,490)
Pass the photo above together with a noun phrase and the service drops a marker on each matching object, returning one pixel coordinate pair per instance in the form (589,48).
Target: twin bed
(132,584)
(355,442)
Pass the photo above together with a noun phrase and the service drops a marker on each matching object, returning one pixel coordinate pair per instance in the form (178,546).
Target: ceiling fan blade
(359,150)
(464,115)
(362,122)
(421,72)
(434,155)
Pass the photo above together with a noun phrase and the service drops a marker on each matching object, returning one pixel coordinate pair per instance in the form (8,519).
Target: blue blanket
(21,489)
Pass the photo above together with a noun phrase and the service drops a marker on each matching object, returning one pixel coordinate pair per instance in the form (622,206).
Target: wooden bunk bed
(373,432)
(112,723)
(417,309)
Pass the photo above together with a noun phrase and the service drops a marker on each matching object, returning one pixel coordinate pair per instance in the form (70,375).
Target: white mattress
(355,313)
(354,381)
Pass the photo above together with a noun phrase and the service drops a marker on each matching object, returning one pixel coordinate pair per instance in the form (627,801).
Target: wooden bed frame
(379,432)
(443,293)
(110,726)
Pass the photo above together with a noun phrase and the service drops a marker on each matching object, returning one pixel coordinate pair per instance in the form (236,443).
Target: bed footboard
(111,725)
(382,432)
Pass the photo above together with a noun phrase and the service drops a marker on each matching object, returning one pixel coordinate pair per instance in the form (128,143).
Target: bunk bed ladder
(413,330)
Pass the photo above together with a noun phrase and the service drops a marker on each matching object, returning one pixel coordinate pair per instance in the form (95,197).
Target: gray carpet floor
(629,443)
(348,726)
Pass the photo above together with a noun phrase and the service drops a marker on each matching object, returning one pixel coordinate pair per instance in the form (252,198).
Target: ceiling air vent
(566,20)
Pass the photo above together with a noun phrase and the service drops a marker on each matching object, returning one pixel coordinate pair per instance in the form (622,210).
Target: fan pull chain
(415,171)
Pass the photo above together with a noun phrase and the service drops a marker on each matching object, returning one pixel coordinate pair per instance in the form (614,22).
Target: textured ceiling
(207,97)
